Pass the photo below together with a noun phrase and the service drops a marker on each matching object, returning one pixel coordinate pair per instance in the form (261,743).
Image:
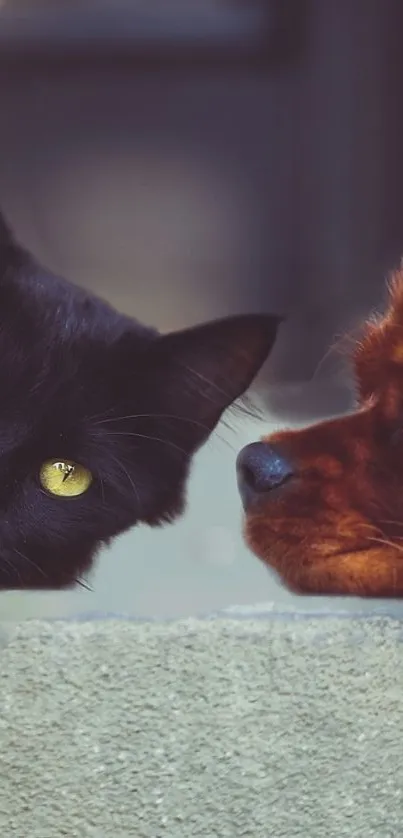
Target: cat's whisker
(167,442)
(101,416)
(149,416)
(29,561)
(124,469)
(247,407)
(210,383)
(84,585)
(171,416)
(10,567)
(155,416)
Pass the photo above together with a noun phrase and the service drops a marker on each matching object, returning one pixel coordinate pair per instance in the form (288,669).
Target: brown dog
(324,505)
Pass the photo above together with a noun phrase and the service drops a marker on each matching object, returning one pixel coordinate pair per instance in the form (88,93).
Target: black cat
(99,416)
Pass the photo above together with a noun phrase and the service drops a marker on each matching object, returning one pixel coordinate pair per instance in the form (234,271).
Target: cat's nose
(260,469)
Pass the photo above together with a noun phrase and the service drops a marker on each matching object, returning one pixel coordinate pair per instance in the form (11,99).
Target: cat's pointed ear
(6,236)
(206,368)
(12,254)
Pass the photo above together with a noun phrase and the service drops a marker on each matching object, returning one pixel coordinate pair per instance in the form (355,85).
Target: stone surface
(226,727)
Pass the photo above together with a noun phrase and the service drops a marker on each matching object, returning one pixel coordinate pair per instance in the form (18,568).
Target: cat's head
(100,416)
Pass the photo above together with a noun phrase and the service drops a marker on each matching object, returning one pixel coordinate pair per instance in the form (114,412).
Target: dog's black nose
(260,469)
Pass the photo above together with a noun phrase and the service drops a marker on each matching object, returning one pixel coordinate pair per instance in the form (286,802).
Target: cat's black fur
(82,382)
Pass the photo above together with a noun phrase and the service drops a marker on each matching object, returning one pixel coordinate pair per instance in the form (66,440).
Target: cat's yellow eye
(64,478)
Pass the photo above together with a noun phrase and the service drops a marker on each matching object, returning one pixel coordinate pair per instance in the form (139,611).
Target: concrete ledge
(203,728)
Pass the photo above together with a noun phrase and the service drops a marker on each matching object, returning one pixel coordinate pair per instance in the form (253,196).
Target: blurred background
(194,158)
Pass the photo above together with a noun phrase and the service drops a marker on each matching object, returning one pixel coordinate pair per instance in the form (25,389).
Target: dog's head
(324,505)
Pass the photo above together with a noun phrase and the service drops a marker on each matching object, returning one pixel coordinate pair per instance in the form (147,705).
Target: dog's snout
(260,469)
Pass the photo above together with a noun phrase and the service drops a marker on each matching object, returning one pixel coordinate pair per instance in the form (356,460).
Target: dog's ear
(204,369)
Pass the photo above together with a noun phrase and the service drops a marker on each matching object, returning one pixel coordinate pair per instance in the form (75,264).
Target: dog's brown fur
(337,526)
